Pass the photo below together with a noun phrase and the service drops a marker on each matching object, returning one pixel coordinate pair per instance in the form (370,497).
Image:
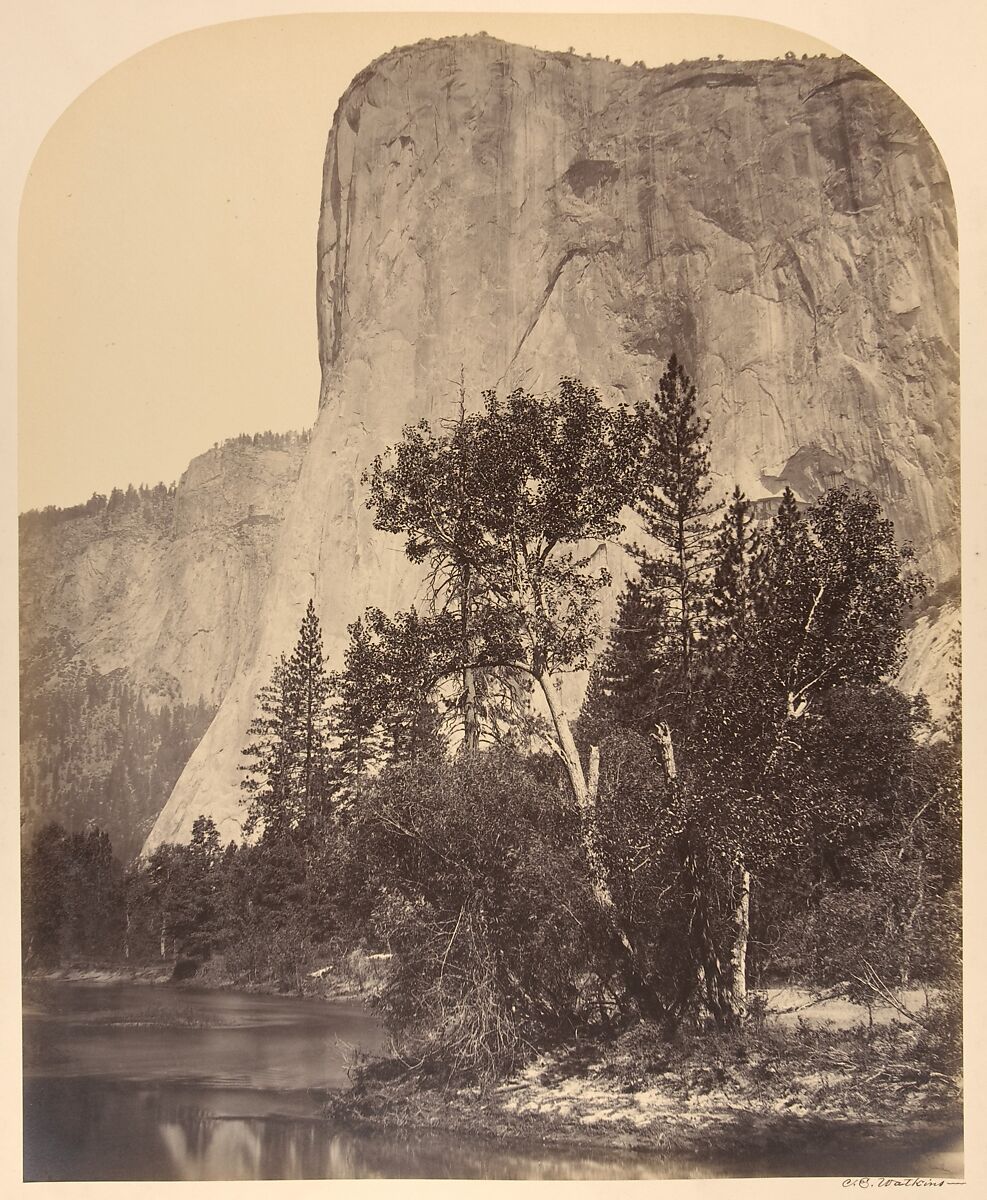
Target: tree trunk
(308,743)
(471,718)
(663,736)
(593,776)
(685,616)
(712,979)
(738,954)
(577,781)
(567,744)
(724,995)
(635,982)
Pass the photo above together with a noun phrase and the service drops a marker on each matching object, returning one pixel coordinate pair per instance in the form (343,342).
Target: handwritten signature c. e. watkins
(870,1181)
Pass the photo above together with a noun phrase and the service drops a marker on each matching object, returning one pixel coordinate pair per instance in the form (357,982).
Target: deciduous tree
(515,492)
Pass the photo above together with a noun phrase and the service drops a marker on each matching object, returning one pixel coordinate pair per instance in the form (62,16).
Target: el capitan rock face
(786,227)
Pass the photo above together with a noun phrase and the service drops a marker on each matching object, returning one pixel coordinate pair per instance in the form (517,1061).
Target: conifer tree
(205,840)
(268,784)
(355,715)
(623,687)
(307,664)
(675,512)
(411,657)
(286,783)
(783,574)
(730,603)
(384,708)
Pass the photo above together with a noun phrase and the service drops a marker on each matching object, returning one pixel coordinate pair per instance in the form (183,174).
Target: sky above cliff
(168,229)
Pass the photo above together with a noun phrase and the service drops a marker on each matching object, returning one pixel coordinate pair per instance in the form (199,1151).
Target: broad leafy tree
(525,492)
(516,492)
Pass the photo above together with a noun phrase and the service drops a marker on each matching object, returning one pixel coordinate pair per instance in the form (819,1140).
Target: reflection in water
(91,1129)
(144,1083)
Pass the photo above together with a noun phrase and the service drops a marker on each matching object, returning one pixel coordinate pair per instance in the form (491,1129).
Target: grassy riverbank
(801,1088)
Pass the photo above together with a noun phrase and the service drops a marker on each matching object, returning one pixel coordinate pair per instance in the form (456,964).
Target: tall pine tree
(730,604)
(307,664)
(358,702)
(384,702)
(676,515)
(624,682)
(286,783)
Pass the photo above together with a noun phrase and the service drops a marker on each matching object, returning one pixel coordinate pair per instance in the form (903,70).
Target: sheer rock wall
(786,227)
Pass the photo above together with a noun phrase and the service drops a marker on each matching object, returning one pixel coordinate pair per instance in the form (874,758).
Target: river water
(136,1082)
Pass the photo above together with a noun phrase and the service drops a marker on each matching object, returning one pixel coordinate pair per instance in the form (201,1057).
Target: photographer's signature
(869,1181)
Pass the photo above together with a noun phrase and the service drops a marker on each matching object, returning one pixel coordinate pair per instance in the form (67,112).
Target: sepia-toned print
(532,752)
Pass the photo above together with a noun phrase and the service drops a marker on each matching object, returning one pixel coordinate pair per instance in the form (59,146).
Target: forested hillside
(135,608)
(93,751)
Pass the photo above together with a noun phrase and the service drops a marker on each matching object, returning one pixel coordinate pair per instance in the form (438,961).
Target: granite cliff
(135,609)
(168,590)
(786,227)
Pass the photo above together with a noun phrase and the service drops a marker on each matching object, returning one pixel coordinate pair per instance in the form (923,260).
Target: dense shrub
(469,874)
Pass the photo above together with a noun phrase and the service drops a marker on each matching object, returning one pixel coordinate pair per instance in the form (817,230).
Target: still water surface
(138,1082)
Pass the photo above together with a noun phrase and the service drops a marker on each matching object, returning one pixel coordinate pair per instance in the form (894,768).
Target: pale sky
(168,227)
